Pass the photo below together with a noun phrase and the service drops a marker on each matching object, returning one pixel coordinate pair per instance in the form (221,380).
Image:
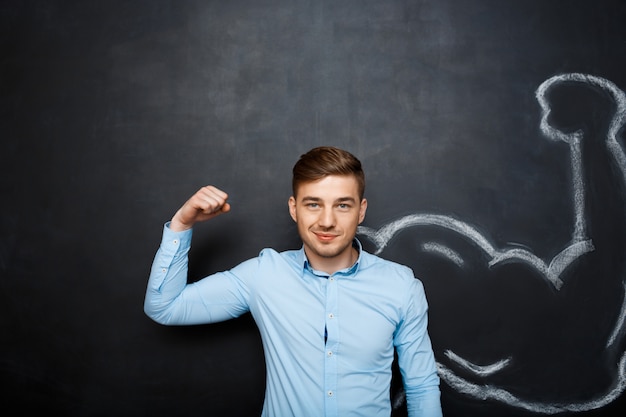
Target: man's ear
(292,208)
(362,210)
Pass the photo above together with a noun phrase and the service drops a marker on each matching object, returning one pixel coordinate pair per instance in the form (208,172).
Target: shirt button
(176,241)
(164,270)
(331,279)
(330,393)
(331,315)
(330,353)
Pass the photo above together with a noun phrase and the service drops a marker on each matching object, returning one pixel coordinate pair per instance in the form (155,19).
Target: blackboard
(491,133)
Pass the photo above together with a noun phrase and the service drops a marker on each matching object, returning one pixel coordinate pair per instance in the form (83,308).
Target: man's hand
(205,204)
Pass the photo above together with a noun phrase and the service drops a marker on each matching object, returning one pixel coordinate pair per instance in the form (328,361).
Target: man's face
(328,212)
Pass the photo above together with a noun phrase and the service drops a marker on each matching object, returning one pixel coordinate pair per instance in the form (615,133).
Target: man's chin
(326,250)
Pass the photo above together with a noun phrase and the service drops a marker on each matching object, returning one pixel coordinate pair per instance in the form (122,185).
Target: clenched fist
(206,203)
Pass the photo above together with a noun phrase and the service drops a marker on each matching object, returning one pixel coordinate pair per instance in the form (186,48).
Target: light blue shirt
(328,339)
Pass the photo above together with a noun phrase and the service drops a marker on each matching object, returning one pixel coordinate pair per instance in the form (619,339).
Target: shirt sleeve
(416,358)
(170,300)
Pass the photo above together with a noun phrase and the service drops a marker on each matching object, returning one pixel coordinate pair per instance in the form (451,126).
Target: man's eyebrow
(339,200)
(308,198)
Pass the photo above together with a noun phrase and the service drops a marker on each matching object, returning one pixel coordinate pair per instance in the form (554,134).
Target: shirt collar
(351,270)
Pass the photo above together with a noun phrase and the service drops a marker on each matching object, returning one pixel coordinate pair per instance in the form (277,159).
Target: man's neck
(334,264)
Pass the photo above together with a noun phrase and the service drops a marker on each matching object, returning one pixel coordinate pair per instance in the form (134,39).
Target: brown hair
(327,160)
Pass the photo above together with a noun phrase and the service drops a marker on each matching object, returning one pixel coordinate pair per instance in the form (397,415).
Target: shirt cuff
(172,242)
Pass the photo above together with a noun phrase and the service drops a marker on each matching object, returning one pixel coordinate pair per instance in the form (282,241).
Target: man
(329,314)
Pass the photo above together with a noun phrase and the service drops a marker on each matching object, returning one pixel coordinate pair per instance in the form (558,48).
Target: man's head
(327,160)
(328,205)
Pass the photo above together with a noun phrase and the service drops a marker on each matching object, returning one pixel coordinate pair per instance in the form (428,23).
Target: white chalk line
(444,251)
(480,370)
(486,392)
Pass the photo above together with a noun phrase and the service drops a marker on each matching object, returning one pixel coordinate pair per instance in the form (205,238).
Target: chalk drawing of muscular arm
(553,270)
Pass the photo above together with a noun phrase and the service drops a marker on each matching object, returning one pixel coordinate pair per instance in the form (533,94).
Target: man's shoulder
(290,255)
(391,276)
(370,260)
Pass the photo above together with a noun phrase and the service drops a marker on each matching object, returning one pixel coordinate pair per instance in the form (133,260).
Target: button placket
(330,379)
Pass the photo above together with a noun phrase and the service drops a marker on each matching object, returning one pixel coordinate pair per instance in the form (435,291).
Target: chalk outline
(552,272)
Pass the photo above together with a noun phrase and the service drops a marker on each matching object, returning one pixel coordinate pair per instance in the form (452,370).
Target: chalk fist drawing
(521,329)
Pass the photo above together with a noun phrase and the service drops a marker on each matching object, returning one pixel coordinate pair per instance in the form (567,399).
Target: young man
(329,314)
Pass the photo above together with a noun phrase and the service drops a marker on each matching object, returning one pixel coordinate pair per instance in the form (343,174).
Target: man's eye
(313,205)
(344,206)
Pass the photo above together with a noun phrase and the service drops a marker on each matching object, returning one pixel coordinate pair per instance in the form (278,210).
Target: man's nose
(327,218)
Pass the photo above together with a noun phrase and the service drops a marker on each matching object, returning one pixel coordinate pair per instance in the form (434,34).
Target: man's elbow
(157,315)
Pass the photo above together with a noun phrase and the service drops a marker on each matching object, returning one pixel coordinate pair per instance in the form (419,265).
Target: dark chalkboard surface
(492,137)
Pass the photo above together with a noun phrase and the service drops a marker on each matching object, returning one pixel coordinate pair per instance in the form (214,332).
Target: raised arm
(169,299)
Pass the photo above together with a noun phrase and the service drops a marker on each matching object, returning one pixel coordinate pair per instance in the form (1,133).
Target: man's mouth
(325,236)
